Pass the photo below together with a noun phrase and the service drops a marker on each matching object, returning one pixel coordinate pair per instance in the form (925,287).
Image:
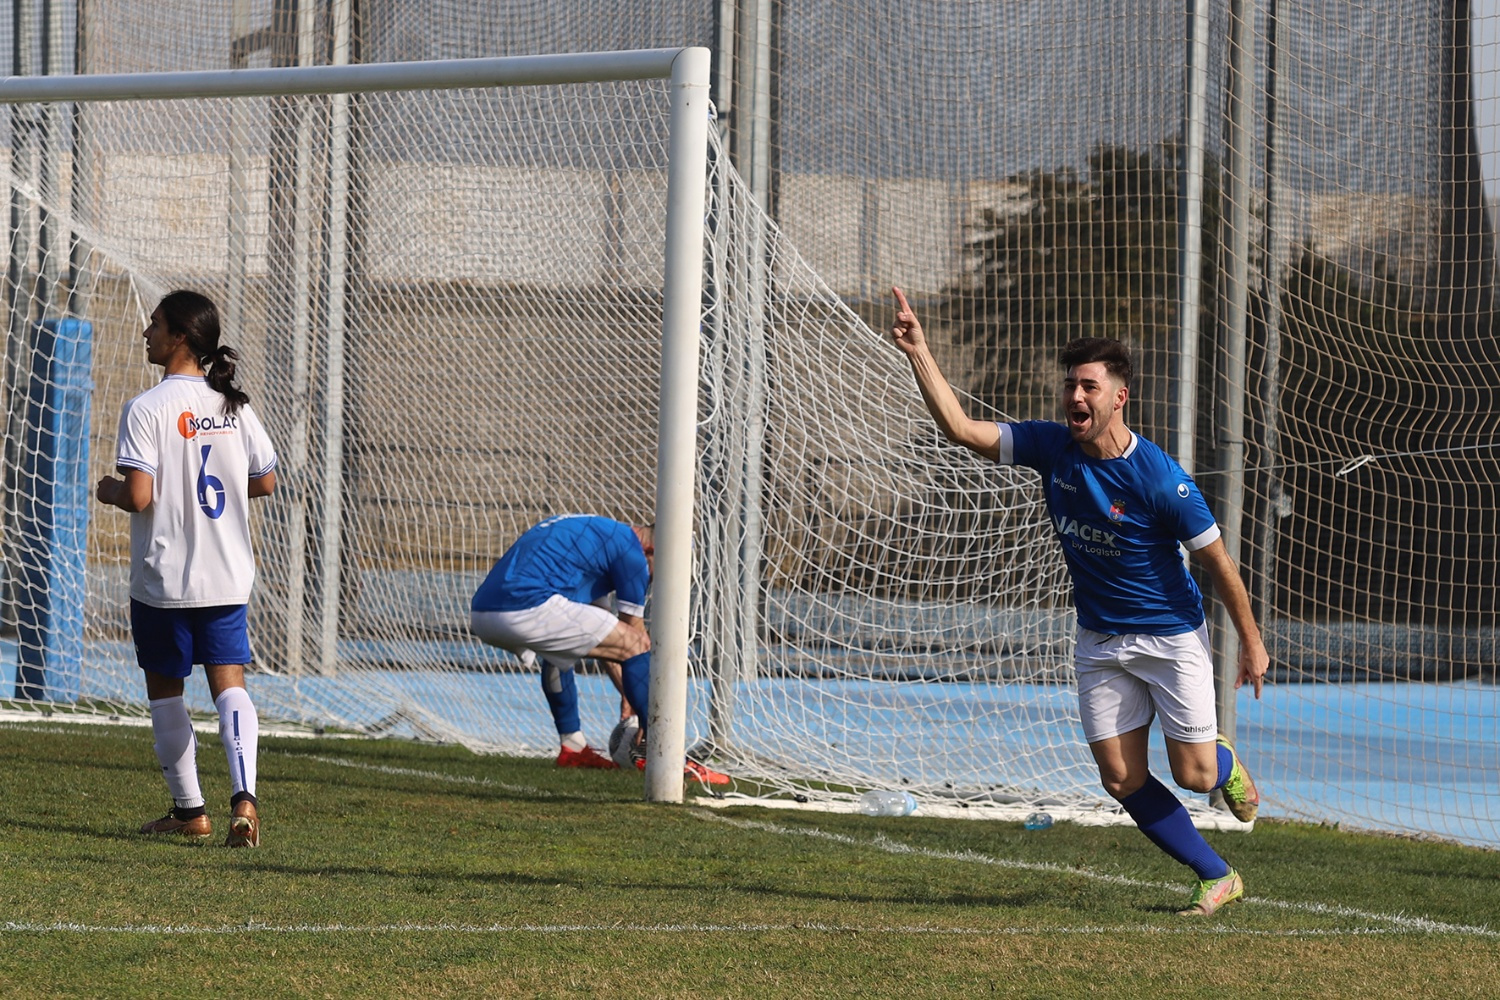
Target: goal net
(1314,337)
(448,306)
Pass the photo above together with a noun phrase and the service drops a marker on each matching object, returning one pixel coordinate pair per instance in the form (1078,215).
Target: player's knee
(1194,779)
(1120,785)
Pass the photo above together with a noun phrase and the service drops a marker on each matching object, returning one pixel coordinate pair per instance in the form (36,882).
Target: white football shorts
(558,629)
(1124,680)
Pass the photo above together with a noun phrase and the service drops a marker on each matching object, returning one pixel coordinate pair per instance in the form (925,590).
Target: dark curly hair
(1086,350)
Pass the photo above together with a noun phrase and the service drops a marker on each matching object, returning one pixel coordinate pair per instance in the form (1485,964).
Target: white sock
(574,741)
(176,750)
(239,731)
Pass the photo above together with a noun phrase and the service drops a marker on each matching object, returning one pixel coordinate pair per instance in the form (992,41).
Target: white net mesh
(501,294)
(909,606)
(871,606)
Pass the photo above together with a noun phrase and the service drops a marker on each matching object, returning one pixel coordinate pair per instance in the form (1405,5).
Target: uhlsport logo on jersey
(1182,490)
(1117,510)
(189,426)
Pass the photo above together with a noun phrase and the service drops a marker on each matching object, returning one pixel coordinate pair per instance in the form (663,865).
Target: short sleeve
(1034,444)
(258,448)
(1007,445)
(1186,512)
(631,574)
(138,446)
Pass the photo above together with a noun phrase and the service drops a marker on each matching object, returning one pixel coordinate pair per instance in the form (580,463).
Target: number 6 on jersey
(205,484)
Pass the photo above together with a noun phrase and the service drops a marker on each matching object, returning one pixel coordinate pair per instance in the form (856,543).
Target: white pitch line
(460,779)
(15,927)
(452,779)
(79,723)
(883,843)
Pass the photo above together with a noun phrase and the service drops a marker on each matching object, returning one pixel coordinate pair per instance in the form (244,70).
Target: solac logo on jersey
(189,426)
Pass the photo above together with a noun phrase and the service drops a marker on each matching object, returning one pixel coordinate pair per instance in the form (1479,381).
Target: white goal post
(687,69)
(448,305)
(842,600)
(463,307)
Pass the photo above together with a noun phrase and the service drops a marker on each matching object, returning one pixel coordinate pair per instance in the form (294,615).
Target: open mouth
(1078,419)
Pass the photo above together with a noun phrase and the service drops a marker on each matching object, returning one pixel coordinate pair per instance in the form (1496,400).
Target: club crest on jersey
(189,426)
(1117,510)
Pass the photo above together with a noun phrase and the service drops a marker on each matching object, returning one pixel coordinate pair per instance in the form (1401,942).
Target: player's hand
(108,489)
(1254,661)
(907,331)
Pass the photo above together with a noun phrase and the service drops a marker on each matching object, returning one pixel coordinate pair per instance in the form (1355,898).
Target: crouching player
(541,598)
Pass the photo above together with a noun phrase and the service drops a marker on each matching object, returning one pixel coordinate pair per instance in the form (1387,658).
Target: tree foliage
(1075,258)
(1369,357)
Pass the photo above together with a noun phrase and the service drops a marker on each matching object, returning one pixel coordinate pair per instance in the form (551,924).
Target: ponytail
(220,368)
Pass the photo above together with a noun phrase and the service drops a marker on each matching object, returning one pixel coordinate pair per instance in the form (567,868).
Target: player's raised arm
(980,436)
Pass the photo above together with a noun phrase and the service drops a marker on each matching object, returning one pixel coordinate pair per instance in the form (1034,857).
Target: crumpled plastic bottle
(880,802)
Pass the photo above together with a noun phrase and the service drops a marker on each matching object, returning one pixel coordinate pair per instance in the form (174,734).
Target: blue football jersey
(579,556)
(1119,521)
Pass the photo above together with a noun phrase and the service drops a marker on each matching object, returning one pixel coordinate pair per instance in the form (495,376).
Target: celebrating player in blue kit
(1120,508)
(192,452)
(546,596)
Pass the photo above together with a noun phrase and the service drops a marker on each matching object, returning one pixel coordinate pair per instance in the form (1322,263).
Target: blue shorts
(168,641)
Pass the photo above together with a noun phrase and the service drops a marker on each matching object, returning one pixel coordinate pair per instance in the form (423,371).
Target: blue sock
(1226,765)
(635,678)
(561,689)
(1166,823)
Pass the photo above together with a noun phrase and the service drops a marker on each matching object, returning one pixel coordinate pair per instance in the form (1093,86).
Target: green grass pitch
(393,869)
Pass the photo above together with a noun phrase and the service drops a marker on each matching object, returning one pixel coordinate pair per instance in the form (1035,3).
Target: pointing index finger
(901,303)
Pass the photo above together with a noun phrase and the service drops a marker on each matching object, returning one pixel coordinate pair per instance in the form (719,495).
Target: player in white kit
(191,455)
(1120,508)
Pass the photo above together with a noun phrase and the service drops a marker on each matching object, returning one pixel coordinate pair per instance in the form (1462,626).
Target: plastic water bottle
(1038,821)
(879,802)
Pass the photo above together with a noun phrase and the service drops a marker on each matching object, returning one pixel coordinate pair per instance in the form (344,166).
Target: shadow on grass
(1020,899)
(425,877)
(127,833)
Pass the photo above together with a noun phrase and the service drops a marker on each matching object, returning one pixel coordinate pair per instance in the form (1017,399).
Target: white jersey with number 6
(191,547)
